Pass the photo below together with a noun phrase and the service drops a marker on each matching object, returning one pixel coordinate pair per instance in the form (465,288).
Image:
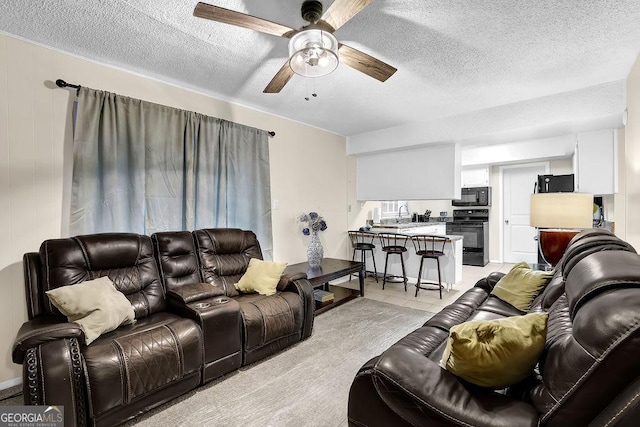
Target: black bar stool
(394,244)
(363,241)
(429,247)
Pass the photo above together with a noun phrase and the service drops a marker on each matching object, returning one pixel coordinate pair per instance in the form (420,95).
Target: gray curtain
(143,167)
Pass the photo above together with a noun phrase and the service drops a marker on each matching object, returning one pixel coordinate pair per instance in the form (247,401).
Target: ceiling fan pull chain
(306,84)
(306,87)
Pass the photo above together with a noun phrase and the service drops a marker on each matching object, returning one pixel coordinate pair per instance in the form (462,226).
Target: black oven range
(473,226)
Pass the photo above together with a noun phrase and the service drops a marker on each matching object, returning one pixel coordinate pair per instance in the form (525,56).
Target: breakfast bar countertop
(412,224)
(409,232)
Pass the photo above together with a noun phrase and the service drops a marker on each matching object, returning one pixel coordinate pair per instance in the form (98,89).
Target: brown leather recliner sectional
(588,373)
(220,257)
(191,324)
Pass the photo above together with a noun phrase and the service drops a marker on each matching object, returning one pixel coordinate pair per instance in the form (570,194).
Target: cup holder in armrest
(206,304)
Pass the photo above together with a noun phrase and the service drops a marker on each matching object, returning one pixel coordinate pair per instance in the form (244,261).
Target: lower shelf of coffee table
(341,296)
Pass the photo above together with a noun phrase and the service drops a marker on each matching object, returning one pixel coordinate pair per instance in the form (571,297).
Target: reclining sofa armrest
(300,285)
(421,392)
(286,279)
(53,374)
(489,282)
(194,292)
(42,330)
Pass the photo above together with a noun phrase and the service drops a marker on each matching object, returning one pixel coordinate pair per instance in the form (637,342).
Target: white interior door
(519,236)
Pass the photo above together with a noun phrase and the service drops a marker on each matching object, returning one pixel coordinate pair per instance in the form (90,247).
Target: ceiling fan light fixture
(313,53)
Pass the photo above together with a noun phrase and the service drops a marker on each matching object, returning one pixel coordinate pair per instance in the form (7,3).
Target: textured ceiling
(453,56)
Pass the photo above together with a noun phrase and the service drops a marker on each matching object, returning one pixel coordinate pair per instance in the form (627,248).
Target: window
(390,208)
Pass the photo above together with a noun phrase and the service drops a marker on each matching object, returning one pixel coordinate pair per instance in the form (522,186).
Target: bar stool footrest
(430,286)
(394,279)
(367,274)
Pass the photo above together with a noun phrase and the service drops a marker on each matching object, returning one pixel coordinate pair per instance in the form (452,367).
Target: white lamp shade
(561,210)
(313,53)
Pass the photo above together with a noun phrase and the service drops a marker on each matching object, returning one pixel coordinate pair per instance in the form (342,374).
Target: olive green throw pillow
(495,353)
(520,286)
(261,277)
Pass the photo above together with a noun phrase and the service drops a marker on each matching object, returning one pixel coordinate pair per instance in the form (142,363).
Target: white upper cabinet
(476,177)
(596,162)
(426,173)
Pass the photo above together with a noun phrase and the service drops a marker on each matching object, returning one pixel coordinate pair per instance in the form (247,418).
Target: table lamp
(559,217)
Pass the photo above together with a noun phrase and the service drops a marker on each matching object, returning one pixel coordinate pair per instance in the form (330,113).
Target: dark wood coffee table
(331,269)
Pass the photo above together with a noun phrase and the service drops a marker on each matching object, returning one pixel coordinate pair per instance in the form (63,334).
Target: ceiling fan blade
(227,16)
(365,63)
(341,11)
(280,79)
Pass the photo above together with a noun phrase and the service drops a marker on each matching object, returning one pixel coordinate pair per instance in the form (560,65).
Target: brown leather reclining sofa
(588,374)
(191,325)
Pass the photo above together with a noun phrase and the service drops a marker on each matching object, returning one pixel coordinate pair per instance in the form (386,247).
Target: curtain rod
(62,84)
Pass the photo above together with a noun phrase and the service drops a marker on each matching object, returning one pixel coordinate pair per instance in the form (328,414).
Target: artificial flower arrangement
(314,222)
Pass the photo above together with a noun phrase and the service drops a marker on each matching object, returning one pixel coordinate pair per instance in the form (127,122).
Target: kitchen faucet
(400,211)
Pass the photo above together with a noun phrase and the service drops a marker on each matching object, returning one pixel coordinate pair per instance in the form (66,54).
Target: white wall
(632,160)
(308,165)
(615,206)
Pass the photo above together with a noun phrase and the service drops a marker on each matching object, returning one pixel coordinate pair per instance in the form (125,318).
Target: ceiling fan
(313,49)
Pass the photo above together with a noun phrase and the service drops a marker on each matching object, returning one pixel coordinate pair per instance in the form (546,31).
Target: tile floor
(427,300)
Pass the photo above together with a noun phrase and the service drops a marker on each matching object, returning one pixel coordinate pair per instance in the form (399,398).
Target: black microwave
(474,196)
(555,183)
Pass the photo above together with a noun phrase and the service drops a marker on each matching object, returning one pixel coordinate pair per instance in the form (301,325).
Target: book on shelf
(319,304)
(322,296)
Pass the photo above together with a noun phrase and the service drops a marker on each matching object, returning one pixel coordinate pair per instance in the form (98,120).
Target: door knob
(506,221)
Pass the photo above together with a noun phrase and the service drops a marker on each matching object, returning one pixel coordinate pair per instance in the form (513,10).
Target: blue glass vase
(315,251)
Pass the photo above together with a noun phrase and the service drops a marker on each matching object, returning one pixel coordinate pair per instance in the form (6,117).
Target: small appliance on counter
(421,218)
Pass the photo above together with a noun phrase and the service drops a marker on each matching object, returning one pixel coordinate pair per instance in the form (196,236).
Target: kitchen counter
(412,231)
(433,221)
(414,228)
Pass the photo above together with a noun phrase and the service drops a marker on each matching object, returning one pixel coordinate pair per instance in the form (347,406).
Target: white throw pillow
(96,305)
